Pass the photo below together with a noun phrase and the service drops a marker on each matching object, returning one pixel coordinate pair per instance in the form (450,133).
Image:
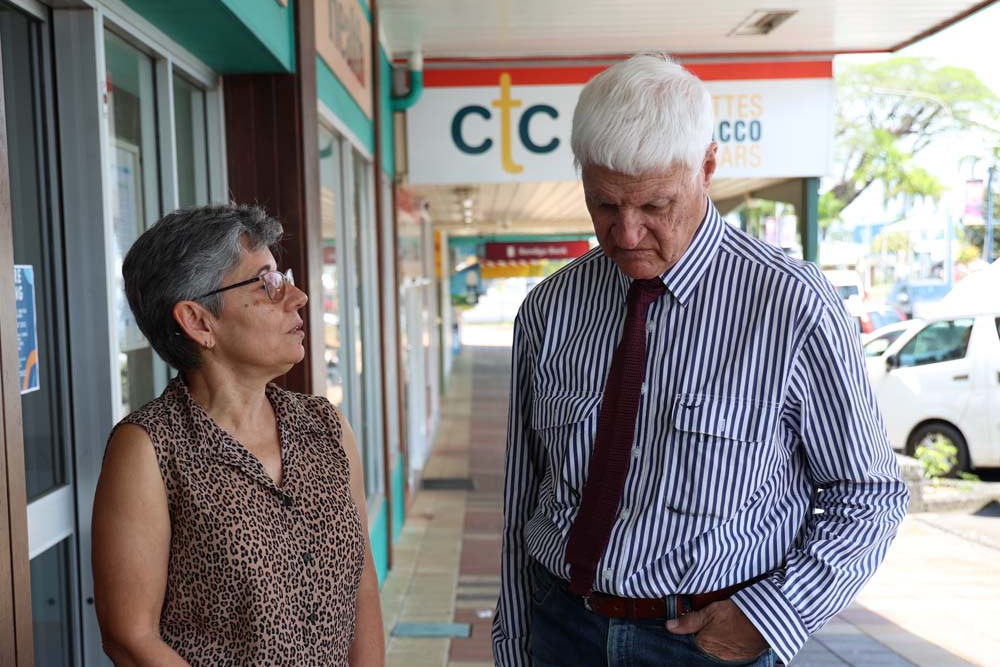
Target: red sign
(536,250)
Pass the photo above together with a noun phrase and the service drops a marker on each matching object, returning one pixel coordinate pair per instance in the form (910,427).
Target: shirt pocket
(723,453)
(565,425)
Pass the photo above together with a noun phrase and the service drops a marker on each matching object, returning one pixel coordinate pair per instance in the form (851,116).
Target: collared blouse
(259,573)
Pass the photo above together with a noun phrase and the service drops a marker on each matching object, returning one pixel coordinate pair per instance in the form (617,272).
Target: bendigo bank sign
(483,126)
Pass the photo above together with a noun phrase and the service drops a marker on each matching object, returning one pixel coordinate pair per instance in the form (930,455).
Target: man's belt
(612,606)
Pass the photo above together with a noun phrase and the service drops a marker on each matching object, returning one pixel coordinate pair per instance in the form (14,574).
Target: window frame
(356,237)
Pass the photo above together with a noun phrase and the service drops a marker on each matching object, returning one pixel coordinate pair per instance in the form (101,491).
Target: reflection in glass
(52,624)
(191,138)
(331,196)
(34,245)
(135,203)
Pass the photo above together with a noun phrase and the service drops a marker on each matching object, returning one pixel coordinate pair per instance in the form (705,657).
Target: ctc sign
(505,104)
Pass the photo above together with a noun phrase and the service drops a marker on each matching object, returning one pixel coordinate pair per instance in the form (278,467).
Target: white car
(938,381)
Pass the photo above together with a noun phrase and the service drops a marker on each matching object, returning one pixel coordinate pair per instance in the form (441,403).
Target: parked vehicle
(910,295)
(872,318)
(938,383)
(847,283)
(875,344)
(852,293)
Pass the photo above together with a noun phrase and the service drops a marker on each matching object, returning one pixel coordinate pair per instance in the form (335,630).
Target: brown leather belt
(612,606)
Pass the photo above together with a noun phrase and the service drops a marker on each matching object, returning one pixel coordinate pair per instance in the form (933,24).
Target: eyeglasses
(274,284)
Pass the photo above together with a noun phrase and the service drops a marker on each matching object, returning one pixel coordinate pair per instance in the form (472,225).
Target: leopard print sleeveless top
(258,574)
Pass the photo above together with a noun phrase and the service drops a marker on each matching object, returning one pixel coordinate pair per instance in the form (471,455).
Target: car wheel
(943,445)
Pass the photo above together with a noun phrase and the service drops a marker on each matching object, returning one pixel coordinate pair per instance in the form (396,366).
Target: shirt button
(287,501)
(722,422)
(626,513)
(312,618)
(307,557)
(643,390)
(607,573)
(636,451)
(650,328)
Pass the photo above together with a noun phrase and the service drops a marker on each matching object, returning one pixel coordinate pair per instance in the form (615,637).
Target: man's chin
(638,269)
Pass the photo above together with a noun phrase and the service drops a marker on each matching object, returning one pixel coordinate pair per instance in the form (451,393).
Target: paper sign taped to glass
(27,330)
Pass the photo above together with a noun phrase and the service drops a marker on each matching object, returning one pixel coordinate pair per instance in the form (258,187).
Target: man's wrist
(778,622)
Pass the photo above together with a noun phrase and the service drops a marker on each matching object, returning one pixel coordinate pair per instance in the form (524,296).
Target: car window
(925,292)
(937,342)
(876,346)
(847,291)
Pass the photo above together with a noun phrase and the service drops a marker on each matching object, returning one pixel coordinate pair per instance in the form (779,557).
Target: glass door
(42,334)
(135,203)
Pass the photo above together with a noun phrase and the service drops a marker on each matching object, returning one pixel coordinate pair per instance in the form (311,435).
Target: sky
(970,43)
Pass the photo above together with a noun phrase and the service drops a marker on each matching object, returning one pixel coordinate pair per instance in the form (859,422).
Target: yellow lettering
(723,105)
(505,104)
(755,159)
(757,102)
(741,156)
(725,156)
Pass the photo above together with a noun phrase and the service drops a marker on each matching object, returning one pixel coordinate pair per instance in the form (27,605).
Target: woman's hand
(131,547)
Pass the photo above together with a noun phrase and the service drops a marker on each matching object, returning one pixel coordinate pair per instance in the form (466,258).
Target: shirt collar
(683,277)
(293,421)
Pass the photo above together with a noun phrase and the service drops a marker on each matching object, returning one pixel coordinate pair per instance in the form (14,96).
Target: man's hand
(722,631)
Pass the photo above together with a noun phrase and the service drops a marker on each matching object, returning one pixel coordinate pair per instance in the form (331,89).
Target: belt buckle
(586,603)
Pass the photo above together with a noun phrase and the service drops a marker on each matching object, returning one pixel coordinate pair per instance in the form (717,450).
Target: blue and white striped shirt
(758,446)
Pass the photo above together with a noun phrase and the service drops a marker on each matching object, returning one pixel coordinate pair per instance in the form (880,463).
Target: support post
(809,219)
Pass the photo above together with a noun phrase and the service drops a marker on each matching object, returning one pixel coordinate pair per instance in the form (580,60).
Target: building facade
(116,112)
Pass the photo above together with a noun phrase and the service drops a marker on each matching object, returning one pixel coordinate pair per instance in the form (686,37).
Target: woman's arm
(131,547)
(368,649)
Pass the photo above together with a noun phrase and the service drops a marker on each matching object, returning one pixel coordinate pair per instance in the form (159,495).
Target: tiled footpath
(447,560)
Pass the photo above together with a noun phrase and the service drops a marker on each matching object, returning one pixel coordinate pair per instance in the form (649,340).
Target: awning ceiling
(554,32)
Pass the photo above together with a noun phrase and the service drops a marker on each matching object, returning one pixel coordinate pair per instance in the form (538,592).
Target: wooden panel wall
(273,161)
(16,646)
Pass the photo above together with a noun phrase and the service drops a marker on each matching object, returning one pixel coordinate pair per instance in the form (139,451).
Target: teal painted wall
(398,500)
(366,10)
(385,108)
(380,542)
(230,36)
(335,96)
(273,24)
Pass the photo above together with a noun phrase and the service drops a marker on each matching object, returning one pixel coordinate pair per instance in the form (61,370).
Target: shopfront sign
(536,250)
(27,327)
(343,40)
(772,120)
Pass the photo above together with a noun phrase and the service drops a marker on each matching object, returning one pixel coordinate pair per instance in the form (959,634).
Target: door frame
(16,645)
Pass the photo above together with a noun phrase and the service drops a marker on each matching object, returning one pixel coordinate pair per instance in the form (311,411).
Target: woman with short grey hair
(229,523)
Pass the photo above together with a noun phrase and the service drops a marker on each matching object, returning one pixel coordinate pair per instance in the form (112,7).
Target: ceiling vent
(761,22)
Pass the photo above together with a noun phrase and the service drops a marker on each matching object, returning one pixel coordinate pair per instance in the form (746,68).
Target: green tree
(754,212)
(887,113)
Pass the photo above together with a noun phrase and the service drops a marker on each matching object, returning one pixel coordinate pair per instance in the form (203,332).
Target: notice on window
(27,330)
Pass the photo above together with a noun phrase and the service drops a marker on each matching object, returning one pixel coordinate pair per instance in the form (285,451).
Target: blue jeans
(564,633)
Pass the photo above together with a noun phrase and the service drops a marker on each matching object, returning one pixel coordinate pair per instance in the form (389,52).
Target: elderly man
(696,467)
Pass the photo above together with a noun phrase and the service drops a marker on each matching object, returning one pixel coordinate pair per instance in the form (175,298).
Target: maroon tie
(602,492)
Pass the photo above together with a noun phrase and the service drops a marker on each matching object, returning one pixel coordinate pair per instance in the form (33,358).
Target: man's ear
(709,164)
(195,322)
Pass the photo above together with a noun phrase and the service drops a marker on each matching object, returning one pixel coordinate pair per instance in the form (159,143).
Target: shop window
(331,198)
(135,203)
(191,137)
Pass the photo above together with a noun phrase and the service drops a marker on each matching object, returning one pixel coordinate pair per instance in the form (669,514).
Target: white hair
(643,115)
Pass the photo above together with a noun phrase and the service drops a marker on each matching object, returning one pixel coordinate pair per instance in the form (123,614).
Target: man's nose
(630,229)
